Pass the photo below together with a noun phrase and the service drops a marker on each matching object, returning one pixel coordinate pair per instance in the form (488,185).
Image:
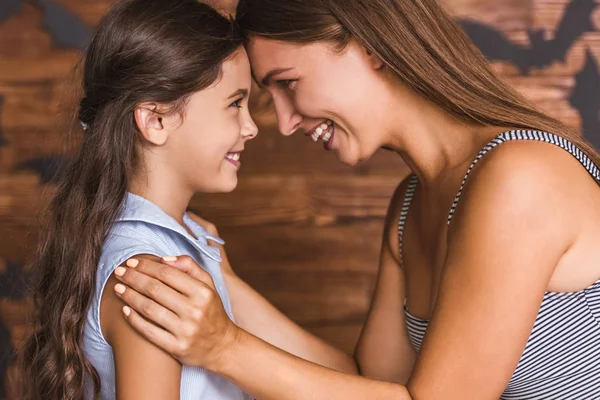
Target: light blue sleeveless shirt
(144,228)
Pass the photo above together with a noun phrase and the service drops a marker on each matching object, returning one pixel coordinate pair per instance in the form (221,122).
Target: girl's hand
(174,305)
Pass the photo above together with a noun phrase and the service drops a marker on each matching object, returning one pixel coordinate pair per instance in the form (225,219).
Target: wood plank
(38,69)
(317,297)
(349,247)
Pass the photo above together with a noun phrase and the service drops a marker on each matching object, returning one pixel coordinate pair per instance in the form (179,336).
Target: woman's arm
(384,351)
(503,248)
(256,315)
(515,221)
(142,370)
(204,336)
(253,313)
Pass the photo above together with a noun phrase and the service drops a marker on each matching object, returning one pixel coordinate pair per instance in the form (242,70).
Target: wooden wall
(302,228)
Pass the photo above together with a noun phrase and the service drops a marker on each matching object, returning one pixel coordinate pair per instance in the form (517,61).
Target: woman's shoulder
(525,165)
(523,178)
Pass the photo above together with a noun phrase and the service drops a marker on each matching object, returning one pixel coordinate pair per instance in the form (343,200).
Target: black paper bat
(13,286)
(585,97)
(66,29)
(8,8)
(50,168)
(3,141)
(14,281)
(576,20)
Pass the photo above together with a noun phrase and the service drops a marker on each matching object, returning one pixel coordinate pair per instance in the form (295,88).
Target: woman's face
(341,99)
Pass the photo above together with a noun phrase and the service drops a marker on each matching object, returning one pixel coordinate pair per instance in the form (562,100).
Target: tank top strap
(408,196)
(535,135)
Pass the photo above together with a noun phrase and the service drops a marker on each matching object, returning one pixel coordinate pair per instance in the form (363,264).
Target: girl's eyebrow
(240,92)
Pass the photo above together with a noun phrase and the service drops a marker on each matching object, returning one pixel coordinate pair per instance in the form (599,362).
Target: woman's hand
(180,297)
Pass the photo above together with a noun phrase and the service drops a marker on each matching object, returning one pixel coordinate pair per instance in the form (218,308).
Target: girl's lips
(234,158)
(236,163)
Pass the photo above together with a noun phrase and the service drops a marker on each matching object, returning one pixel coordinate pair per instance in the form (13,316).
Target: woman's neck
(433,144)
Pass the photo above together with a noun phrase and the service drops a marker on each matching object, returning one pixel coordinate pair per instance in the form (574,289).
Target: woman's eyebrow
(266,80)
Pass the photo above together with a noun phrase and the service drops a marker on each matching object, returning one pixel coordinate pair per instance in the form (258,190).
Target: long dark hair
(420,43)
(158,51)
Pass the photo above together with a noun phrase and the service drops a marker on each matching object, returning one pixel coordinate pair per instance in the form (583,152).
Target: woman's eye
(289,84)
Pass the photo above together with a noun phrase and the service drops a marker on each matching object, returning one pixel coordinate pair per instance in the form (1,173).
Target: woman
(489,276)
(165,114)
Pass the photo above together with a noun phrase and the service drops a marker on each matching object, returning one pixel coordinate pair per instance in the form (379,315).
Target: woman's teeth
(323,132)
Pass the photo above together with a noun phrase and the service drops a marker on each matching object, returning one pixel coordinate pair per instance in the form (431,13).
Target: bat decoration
(49,168)
(585,97)
(66,29)
(8,8)
(3,141)
(576,20)
(14,283)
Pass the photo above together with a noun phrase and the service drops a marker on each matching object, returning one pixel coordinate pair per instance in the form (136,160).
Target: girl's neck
(169,193)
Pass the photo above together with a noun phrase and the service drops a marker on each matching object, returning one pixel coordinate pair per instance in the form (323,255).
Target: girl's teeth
(323,127)
(327,136)
(315,136)
(320,129)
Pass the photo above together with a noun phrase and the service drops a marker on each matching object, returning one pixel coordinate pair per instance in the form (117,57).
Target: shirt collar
(138,209)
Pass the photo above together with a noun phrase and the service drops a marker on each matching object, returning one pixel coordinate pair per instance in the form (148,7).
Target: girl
(489,279)
(165,114)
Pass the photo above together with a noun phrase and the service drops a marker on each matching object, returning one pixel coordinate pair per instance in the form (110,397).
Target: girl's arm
(142,370)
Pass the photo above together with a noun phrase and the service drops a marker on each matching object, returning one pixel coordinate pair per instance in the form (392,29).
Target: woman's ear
(150,123)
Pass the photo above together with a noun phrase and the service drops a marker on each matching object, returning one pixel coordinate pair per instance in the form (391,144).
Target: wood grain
(302,228)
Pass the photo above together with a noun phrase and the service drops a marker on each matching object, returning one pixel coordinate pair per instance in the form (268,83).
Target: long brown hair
(158,51)
(420,43)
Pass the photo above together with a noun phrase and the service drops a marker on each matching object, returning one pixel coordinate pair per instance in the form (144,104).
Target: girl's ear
(150,123)
(374,61)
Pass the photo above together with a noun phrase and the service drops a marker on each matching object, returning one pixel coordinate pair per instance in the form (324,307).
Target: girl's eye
(236,104)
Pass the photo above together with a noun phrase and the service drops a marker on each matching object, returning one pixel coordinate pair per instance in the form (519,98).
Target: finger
(141,281)
(145,270)
(155,312)
(159,337)
(188,266)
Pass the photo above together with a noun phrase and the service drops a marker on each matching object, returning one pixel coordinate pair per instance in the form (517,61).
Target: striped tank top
(562,357)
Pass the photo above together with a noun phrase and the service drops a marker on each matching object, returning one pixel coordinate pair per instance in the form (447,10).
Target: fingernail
(169,258)
(120,288)
(126,310)
(132,262)
(120,271)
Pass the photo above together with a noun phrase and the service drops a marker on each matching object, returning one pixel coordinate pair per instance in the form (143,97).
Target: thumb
(188,265)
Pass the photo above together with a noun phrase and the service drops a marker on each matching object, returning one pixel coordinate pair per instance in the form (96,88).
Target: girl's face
(205,148)
(340,99)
